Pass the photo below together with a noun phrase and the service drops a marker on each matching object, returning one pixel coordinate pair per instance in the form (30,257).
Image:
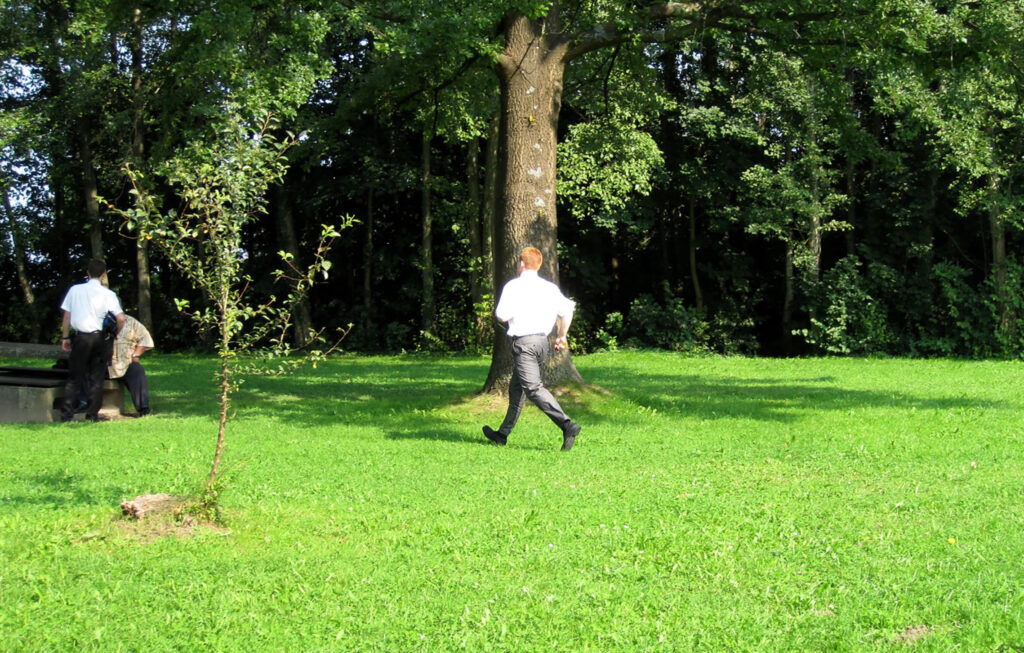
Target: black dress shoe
(494,436)
(569,434)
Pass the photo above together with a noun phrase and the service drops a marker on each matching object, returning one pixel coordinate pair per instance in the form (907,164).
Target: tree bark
(997,232)
(787,303)
(490,216)
(530,72)
(284,217)
(145,299)
(368,265)
(90,190)
(698,295)
(20,265)
(427,242)
(474,220)
(851,210)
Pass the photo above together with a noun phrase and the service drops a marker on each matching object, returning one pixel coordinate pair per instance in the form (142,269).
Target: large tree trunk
(530,71)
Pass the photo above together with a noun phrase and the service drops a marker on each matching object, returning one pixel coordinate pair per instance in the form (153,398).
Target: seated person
(131,342)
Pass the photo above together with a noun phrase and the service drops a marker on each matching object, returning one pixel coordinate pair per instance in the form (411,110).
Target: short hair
(96,268)
(531,258)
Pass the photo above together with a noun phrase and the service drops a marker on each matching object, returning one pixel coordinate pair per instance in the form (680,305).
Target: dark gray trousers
(528,352)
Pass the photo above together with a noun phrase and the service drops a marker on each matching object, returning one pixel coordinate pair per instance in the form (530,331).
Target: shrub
(668,324)
(849,320)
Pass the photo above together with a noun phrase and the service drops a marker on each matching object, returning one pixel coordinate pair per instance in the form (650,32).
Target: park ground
(710,503)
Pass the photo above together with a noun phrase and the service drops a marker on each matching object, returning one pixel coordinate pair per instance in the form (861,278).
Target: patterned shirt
(132,335)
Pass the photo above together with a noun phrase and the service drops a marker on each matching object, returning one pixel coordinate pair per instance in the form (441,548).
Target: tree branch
(697,16)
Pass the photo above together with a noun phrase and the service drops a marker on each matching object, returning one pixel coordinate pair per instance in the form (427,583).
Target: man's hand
(561,343)
(65,344)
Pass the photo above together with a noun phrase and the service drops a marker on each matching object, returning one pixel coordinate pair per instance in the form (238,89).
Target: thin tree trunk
(289,242)
(787,304)
(90,191)
(490,216)
(60,248)
(427,242)
(851,209)
(368,265)
(473,220)
(530,72)
(477,224)
(138,152)
(21,266)
(225,384)
(698,295)
(225,403)
(997,230)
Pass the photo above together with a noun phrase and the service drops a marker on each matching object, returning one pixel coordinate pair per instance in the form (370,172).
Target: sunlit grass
(709,504)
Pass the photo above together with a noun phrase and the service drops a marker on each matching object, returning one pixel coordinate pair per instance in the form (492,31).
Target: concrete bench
(35,394)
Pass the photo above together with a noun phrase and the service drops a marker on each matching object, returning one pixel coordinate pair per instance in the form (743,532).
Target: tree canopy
(775,177)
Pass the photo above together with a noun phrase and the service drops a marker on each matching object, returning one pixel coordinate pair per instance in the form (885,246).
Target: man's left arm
(564,322)
(65,330)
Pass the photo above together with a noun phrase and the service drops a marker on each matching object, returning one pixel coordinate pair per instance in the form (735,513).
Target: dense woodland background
(778,177)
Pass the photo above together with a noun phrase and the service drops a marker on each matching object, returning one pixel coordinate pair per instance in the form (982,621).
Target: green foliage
(668,323)
(604,168)
(851,321)
(1006,305)
(957,303)
(611,332)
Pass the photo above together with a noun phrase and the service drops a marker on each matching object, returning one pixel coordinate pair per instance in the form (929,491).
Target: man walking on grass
(532,306)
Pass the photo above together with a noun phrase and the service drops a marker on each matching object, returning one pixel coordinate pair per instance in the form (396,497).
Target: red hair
(531,258)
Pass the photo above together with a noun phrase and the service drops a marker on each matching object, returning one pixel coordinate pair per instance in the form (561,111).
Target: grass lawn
(709,504)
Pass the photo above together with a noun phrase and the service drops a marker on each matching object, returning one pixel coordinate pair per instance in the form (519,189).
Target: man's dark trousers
(528,352)
(86,370)
(138,387)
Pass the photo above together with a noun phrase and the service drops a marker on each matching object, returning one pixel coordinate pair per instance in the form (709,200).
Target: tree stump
(150,504)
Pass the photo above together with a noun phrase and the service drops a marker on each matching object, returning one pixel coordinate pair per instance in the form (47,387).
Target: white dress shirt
(531,305)
(88,304)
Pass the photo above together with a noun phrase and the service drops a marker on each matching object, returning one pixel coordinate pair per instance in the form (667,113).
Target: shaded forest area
(772,178)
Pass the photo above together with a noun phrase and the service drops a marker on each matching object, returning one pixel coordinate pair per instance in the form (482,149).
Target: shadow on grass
(60,490)
(769,399)
(400,395)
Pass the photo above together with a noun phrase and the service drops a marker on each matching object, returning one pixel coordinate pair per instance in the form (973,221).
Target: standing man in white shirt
(84,307)
(532,306)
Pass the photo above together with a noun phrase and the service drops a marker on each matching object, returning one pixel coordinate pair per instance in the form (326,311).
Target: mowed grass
(710,504)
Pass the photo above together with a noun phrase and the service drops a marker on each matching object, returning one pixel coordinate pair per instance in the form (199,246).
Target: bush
(666,325)
(849,320)
(959,323)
